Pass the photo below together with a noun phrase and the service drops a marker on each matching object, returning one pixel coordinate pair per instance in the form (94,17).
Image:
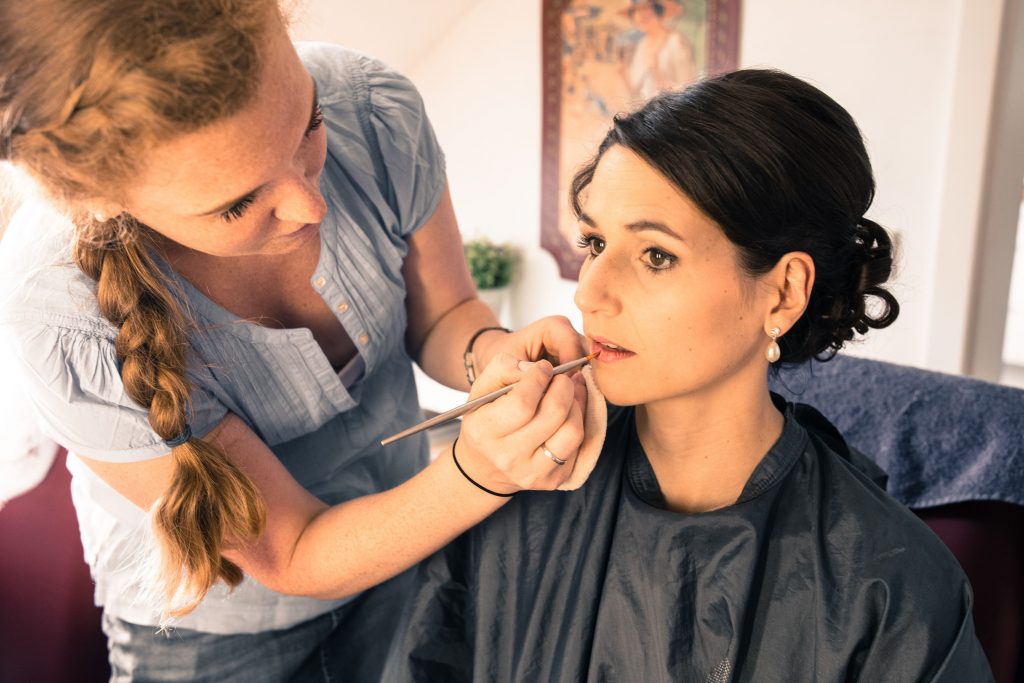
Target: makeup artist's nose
(301,201)
(593,293)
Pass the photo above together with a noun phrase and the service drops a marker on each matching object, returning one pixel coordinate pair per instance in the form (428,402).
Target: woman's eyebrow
(227,205)
(638,226)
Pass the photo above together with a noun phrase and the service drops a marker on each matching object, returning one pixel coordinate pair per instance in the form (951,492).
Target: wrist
(486,489)
(477,353)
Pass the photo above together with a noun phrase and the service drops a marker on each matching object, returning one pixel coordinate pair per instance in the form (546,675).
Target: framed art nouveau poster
(601,57)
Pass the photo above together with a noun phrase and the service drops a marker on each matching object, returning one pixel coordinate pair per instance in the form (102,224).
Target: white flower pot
(498,301)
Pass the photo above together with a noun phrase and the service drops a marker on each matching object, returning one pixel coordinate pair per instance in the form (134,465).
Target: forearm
(353,546)
(440,354)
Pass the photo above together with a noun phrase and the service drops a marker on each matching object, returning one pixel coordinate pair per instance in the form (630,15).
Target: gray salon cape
(814,574)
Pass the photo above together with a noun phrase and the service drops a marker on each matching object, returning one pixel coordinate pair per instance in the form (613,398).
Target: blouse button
(342,307)
(363,338)
(320,282)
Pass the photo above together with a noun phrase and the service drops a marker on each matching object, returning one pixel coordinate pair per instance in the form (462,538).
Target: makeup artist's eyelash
(242,205)
(316,121)
(238,209)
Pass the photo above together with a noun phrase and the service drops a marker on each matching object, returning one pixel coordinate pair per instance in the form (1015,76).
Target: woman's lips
(608,352)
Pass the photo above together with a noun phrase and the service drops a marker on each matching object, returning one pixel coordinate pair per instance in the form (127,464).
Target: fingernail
(524,365)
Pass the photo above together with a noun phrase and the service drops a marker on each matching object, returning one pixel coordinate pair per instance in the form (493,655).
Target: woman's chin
(619,391)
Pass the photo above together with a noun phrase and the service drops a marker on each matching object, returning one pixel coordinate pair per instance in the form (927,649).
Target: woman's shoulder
(379,133)
(881,566)
(40,286)
(346,76)
(54,338)
(336,70)
(858,522)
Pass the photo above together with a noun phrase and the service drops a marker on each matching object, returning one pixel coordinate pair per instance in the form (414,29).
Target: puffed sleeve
(72,380)
(412,161)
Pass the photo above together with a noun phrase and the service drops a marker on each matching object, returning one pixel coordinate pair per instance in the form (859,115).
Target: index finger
(560,340)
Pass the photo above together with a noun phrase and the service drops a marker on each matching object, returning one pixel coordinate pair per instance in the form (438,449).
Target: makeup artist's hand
(501,444)
(553,339)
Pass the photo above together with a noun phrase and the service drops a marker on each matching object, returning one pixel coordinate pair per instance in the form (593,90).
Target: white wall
(482,83)
(915,74)
(400,32)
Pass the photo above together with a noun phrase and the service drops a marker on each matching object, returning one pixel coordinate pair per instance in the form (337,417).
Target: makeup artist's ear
(791,281)
(101,210)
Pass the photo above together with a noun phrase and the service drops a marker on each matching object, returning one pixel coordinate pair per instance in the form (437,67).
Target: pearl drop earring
(774,352)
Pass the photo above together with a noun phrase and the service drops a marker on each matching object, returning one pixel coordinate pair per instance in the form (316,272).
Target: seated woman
(724,535)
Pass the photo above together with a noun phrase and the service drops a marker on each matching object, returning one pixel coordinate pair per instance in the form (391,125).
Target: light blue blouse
(383,178)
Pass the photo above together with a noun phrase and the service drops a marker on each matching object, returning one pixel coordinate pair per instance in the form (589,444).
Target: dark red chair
(987,539)
(49,627)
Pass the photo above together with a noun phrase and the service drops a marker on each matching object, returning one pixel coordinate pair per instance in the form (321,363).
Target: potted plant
(492,267)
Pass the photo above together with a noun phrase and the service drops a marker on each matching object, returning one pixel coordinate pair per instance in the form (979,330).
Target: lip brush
(450,415)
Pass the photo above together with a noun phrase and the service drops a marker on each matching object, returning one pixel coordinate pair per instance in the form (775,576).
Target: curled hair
(780,167)
(79,108)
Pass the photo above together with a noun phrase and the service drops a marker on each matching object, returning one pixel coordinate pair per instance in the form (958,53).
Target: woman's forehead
(194,172)
(626,187)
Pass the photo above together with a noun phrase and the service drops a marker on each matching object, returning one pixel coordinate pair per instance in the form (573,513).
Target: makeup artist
(237,249)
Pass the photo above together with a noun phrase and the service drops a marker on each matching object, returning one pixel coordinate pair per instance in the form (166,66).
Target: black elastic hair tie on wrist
(470,479)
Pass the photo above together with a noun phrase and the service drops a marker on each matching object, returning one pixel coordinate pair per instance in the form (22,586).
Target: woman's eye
(238,209)
(659,260)
(316,121)
(592,243)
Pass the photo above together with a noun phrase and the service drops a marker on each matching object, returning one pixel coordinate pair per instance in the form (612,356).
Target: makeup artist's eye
(592,243)
(238,209)
(316,121)
(658,260)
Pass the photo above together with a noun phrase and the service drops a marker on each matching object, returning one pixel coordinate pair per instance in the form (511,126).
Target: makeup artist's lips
(608,351)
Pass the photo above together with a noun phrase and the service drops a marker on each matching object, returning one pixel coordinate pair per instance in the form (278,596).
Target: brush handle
(466,407)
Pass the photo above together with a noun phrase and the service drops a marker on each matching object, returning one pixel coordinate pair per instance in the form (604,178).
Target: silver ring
(547,452)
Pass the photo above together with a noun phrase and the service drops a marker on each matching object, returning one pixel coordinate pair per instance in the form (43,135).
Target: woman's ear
(792,279)
(100,210)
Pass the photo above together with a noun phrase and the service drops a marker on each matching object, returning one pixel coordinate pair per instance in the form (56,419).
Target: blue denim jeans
(349,643)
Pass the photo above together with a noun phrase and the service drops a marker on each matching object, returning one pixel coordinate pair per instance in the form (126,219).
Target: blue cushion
(941,438)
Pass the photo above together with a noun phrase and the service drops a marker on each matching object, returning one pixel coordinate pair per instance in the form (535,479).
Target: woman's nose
(301,201)
(593,294)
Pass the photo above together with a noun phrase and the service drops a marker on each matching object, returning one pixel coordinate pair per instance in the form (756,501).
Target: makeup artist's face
(248,184)
(662,294)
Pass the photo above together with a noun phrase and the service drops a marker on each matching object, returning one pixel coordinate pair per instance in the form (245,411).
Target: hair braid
(210,501)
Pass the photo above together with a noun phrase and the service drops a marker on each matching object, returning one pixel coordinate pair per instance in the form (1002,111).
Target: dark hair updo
(780,167)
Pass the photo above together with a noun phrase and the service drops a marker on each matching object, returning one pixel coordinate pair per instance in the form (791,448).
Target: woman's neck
(260,288)
(704,446)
